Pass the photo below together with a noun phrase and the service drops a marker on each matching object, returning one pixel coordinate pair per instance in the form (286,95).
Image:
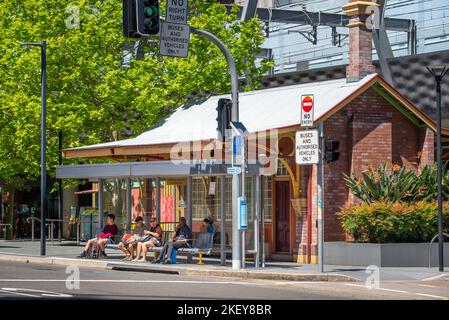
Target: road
(33,281)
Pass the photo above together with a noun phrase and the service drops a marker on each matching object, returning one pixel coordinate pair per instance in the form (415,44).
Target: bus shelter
(186,173)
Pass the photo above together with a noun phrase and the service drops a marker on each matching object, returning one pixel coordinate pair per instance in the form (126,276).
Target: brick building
(373,122)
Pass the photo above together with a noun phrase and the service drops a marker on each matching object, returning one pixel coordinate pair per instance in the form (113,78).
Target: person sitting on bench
(140,234)
(109,230)
(181,239)
(208,225)
(155,234)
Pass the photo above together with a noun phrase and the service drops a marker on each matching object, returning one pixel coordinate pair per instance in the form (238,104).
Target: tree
(98,90)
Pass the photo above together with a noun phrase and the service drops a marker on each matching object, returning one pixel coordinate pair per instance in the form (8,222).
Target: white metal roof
(259,110)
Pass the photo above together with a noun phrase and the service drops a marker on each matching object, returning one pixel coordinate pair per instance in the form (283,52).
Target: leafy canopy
(97,90)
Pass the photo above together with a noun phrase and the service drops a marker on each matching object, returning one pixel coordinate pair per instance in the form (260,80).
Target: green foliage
(397,184)
(97,90)
(384,222)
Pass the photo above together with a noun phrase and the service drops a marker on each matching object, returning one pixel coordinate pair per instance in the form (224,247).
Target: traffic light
(224,109)
(332,153)
(129,19)
(148,16)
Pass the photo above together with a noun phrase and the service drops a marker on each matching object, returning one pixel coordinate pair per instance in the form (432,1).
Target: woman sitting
(154,240)
(181,239)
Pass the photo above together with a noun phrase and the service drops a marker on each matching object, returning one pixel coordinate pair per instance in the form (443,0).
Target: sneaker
(129,258)
(83,255)
(126,258)
(104,253)
(135,259)
(142,260)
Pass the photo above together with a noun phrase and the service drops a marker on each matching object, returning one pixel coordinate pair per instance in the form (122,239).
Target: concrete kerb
(53,261)
(242,274)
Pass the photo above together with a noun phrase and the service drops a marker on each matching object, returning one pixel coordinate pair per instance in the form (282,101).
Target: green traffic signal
(151,11)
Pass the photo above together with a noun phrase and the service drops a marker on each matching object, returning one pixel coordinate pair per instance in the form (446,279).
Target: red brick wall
(371,132)
(427,146)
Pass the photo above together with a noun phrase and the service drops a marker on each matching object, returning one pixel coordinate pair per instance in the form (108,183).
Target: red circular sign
(307,104)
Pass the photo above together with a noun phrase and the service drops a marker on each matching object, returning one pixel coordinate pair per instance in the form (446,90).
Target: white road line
(430,296)
(128,281)
(19,293)
(444,275)
(398,291)
(426,285)
(301,282)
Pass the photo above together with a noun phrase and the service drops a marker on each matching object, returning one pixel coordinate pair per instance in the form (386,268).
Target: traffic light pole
(43,47)
(236,238)
(320,168)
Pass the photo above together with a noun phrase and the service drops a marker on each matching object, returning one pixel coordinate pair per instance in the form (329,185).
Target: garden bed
(383,254)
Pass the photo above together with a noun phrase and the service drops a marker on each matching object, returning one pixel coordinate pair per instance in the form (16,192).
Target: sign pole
(175,37)
(320,201)
(309,151)
(236,252)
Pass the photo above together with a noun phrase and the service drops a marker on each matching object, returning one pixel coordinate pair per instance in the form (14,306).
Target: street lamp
(438,72)
(43,46)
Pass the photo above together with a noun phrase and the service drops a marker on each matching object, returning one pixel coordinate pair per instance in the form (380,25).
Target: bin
(89,222)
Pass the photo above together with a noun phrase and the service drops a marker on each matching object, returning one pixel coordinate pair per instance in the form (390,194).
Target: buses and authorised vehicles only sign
(175,39)
(307,147)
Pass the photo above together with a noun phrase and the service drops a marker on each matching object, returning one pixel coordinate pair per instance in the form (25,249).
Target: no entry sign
(307,110)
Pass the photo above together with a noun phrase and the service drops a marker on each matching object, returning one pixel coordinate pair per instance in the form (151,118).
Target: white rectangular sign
(177,11)
(234,170)
(307,147)
(175,39)
(307,110)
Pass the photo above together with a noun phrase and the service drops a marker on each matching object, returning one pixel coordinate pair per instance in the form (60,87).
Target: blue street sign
(237,150)
(243,213)
(234,170)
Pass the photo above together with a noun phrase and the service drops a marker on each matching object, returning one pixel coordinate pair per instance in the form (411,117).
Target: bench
(201,244)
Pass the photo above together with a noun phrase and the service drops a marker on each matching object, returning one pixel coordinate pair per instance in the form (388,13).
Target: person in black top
(181,238)
(154,240)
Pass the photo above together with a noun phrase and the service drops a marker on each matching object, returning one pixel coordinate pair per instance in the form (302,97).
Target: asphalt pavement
(34,281)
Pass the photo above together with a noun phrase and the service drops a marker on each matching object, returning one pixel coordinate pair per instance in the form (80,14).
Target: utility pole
(43,46)
(439,73)
(236,239)
(60,187)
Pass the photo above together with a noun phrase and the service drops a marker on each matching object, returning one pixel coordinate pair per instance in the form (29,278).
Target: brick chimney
(360,40)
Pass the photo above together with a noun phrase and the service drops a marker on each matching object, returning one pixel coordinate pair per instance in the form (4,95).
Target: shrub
(383,222)
(397,184)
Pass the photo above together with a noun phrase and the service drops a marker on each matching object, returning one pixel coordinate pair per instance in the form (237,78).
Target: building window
(203,204)
(268,198)
(281,170)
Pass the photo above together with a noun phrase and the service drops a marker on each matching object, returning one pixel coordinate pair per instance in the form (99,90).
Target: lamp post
(438,73)
(43,46)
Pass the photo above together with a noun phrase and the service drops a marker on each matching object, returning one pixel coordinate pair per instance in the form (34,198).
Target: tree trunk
(10,215)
